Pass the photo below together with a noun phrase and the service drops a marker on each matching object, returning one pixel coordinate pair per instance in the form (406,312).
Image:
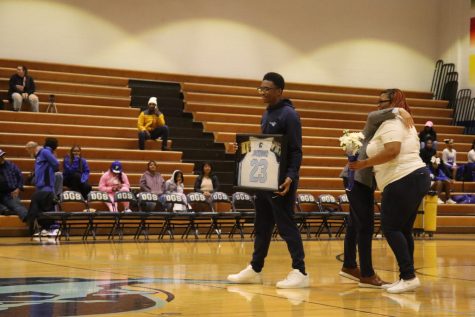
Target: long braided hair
(398,99)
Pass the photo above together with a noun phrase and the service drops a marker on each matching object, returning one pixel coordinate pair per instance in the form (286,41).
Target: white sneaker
(450,201)
(53,233)
(246,276)
(386,286)
(440,201)
(43,233)
(404,286)
(295,279)
(128,210)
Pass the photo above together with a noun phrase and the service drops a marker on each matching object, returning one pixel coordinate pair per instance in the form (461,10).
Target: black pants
(277,211)
(41,201)
(399,204)
(360,229)
(154,134)
(74,183)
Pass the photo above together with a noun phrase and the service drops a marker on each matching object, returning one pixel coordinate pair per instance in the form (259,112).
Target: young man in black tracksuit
(277,208)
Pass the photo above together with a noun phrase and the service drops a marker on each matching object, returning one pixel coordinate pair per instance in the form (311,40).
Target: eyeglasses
(382,101)
(264,89)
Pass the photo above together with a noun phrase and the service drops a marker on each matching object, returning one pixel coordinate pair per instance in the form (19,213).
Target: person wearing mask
(175,185)
(112,181)
(21,88)
(207,182)
(76,172)
(280,117)
(394,154)
(44,199)
(152,182)
(427,152)
(151,125)
(449,157)
(11,183)
(428,133)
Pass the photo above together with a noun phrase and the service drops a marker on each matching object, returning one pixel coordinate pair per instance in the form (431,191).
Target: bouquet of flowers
(350,142)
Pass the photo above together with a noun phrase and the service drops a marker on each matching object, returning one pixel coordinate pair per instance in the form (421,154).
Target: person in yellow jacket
(151,125)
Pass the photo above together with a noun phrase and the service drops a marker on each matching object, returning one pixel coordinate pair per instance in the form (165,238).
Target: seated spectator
(21,88)
(449,157)
(427,152)
(11,182)
(112,181)
(151,125)
(44,199)
(471,154)
(175,185)
(76,172)
(469,168)
(440,180)
(207,182)
(33,150)
(428,133)
(152,182)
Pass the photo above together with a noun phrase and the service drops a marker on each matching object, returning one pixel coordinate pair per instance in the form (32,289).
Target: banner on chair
(260,161)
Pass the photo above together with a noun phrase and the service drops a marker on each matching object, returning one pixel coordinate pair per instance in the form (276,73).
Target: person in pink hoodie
(114,180)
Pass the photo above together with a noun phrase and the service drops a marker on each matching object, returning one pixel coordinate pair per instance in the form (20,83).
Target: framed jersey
(260,161)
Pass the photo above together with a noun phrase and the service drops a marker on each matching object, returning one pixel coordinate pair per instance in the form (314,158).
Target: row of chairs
(171,211)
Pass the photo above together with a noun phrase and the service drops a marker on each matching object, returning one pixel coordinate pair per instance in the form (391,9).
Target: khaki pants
(18,101)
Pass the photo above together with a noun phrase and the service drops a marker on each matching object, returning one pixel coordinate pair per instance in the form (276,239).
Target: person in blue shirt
(277,208)
(76,172)
(44,199)
(11,183)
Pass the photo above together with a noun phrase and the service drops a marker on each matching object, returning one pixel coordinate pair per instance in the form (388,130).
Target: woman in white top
(471,154)
(207,182)
(404,180)
(449,157)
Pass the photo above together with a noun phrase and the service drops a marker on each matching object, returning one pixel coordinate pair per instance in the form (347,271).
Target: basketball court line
(200,282)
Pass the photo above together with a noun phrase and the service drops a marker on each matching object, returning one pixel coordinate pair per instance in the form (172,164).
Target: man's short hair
(276,78)
(52,143)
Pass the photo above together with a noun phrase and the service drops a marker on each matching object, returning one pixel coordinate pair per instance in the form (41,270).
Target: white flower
(350,142)
(435,160)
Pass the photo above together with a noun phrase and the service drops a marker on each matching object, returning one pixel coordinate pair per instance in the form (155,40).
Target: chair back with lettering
(74,199)
(306,203)
(328,203)
(97,197)
(175,202)
(220,202)
(146,197)
(243,202)
(198,202)
(124,197)
(344,203)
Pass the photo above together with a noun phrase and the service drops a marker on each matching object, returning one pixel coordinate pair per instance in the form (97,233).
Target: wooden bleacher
(94,111)
(226,110)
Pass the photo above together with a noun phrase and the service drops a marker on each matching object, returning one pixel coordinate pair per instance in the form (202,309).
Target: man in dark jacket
(11,182)
(277,208)
(22,87)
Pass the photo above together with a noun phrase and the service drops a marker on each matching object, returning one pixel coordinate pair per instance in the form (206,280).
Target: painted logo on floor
(53,296)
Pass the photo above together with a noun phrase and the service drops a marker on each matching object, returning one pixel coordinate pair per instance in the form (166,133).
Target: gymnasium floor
(188,279)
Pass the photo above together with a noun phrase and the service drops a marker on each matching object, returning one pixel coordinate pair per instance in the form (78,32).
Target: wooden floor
(188,279)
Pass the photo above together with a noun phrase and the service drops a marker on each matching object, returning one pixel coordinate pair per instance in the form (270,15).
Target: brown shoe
(371,282)
(351,273)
